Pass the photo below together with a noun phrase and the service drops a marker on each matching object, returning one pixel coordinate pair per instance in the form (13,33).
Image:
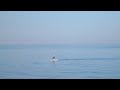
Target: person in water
(53,57)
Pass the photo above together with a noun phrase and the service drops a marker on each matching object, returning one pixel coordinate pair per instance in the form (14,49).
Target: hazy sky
(51,27)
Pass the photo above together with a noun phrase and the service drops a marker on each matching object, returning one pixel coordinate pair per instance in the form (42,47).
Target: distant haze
(59,27)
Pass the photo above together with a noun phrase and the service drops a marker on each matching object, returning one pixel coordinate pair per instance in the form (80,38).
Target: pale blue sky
(59,27)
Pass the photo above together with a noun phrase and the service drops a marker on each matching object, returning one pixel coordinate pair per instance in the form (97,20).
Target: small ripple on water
(92,59)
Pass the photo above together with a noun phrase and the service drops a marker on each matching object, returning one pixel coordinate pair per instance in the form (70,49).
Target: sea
(101,61)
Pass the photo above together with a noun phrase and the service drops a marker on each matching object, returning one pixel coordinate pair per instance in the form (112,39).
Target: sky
(59,27)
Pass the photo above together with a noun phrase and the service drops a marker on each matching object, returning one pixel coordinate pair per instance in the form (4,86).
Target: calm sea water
(74,62)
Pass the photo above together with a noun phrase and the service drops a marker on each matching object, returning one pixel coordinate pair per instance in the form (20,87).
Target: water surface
(75,62)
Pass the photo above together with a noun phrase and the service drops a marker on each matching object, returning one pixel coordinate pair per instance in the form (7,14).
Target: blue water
(74,62)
